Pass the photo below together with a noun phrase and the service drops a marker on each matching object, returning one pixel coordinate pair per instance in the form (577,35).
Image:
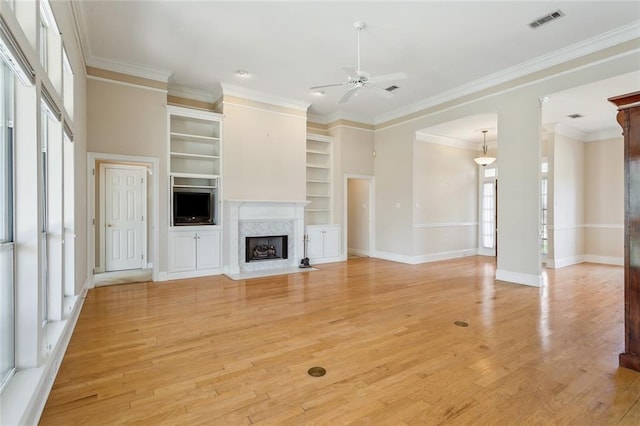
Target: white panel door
(182,251)
(315,247)
(124,220)
(331,242)
(208,249)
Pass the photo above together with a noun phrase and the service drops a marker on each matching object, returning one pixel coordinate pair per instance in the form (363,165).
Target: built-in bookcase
(195,146)
(319,179)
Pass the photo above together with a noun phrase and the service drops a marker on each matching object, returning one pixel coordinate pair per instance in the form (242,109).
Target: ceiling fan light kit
(359,79)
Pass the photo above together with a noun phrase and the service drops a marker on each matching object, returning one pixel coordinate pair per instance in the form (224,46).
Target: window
(67,84)
(44,278)
(488,214)
(544,238)
(50,46)
(43,42)
(7,284)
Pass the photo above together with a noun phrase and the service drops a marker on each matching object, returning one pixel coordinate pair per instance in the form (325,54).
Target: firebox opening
(266,248)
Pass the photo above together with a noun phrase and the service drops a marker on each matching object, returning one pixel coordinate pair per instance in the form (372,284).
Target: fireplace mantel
(260,215)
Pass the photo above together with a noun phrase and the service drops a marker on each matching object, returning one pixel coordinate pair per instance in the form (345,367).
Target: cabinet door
(208,249)
(182,251)
(331,242)
(315,248)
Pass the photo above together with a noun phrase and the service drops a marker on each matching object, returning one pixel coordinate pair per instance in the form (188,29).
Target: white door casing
(123,217)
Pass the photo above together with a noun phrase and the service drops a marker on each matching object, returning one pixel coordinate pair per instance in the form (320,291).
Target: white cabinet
(324,243)
(319,179)
(194,252)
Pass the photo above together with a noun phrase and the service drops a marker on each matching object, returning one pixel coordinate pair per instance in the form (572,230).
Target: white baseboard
(320,260)
(358,252)
(394,257)
(192,274)
(565,261)
(606,260)
(425,258)
(574,260)
(519,278)
(445,255)
(163,276)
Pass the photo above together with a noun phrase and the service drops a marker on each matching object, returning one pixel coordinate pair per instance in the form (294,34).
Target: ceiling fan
(359,79)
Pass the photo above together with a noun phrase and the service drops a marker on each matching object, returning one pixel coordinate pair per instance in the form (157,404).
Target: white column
(519,134)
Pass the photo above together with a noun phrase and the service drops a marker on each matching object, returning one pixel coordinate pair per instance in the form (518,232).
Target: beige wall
(604,200)
(352,155)
(445,198)
(519,152)
(132,120)
(264,152)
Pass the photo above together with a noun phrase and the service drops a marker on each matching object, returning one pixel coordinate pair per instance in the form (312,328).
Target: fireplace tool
(304,263)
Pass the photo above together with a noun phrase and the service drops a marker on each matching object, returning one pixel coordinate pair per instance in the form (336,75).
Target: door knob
(108,225)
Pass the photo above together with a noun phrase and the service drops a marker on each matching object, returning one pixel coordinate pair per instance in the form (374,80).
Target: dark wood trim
(629,119)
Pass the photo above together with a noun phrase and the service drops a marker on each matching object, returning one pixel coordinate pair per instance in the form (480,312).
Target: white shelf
(195,137)
(195,156)
(319,151)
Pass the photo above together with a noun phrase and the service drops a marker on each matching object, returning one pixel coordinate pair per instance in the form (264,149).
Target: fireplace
(270,247)
(265,220)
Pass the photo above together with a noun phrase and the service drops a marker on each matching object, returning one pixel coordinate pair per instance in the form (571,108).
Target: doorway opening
(359,236)
(122,218)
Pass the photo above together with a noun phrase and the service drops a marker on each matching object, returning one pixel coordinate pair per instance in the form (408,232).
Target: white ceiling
(287,47)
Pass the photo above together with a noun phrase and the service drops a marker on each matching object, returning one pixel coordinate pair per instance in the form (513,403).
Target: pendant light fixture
(484,159)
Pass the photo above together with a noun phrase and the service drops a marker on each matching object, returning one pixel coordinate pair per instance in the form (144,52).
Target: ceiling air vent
(391,88)
(574,116)
(546,19)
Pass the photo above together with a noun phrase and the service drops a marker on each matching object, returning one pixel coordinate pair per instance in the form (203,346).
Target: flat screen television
(193,208)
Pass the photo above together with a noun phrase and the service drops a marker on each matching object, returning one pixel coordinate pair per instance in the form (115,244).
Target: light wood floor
(216,351)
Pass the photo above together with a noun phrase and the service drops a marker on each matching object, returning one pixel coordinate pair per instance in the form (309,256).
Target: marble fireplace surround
(252,218)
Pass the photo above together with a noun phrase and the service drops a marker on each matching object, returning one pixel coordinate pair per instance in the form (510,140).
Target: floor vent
(546,19)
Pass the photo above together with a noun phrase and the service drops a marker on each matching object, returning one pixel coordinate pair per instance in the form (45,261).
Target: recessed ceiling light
(242,73)
(319,92)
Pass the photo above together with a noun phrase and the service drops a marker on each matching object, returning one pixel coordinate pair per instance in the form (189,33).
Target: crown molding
(134,70)
(568,131)
(605,134)
(195,94)
(446,141)
(574,51)
(254,95)
(79,29)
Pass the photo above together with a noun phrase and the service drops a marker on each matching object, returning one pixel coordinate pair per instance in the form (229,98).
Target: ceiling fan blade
(348,95)
(388,77)
(380,92)
(327,85)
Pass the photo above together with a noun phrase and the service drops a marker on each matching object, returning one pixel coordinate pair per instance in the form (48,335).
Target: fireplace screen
(266,248)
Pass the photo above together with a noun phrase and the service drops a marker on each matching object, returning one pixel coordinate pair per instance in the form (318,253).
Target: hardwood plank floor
(215,351)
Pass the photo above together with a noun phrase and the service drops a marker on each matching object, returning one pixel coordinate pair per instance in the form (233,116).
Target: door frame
(153,206)
(102,207)
(372,213)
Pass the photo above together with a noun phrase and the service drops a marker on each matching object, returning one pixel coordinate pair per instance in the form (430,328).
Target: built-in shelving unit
(319,179)
(194,155)
(195,169)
